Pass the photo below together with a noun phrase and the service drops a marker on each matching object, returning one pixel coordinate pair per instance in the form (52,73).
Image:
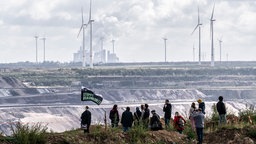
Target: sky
(137,26)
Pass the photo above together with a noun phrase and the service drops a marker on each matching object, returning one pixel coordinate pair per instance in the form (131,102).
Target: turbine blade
(90,13)
(198,16)
(82,22)
(80,30)
(195,28)
(82,15)
(212,11)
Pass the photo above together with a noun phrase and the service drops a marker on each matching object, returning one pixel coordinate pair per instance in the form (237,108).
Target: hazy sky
(138,27)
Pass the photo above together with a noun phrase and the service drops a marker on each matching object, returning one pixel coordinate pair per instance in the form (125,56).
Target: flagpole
(105,119)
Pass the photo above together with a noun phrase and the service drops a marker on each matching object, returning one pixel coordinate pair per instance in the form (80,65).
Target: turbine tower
(165,39)
(90,21)
(199,42)
(220,41)
(83,25)
(36,37)
(211,32)
(43,39)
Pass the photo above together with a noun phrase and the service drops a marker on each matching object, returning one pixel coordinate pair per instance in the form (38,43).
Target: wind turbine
(199,29)
(220,41)
(43,39)
(165,39)
(36,37)
(83,25)
(211,32)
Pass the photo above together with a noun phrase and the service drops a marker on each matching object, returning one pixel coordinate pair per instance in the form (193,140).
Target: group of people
(139,117)
(142,117)
(196,116)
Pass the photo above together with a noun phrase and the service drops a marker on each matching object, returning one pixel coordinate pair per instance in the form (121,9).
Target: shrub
(244,115)
(191,134)
(252,132)
(25,134)
(215,115)
(137,134)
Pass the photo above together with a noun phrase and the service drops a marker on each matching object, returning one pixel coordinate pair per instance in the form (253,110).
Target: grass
(137,134)
(25,134)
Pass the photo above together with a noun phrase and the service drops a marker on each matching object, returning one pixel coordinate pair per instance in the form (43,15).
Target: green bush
(137,134)
(215,115)
(252,133)
(25,134)
(191,134)
(244,115)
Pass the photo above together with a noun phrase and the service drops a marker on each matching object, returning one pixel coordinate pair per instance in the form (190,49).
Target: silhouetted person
(201,105)
(221,108)
(137,116)
(167,113)
(127,119)
(142,107)
(145,118)
(114,116)
(86,120)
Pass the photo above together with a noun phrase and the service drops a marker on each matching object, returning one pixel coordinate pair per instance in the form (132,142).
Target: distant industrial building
(98,57)
(112,58)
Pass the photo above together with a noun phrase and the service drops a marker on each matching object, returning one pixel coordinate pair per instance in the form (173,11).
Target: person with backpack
(86,120)
(137,116)
(222,111)
(201,105)
(167,113)
(127,119)
(155,123)
(179,122)
(114,116)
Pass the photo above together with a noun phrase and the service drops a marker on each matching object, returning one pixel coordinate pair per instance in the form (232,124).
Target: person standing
(222,111)
(145,118)
(167,113)
(199,123)
(142,107)
(137,116)
(114,116)
(155,123)
(201,105)
(191,110)
(127,119)
(179,122)
(86,120)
